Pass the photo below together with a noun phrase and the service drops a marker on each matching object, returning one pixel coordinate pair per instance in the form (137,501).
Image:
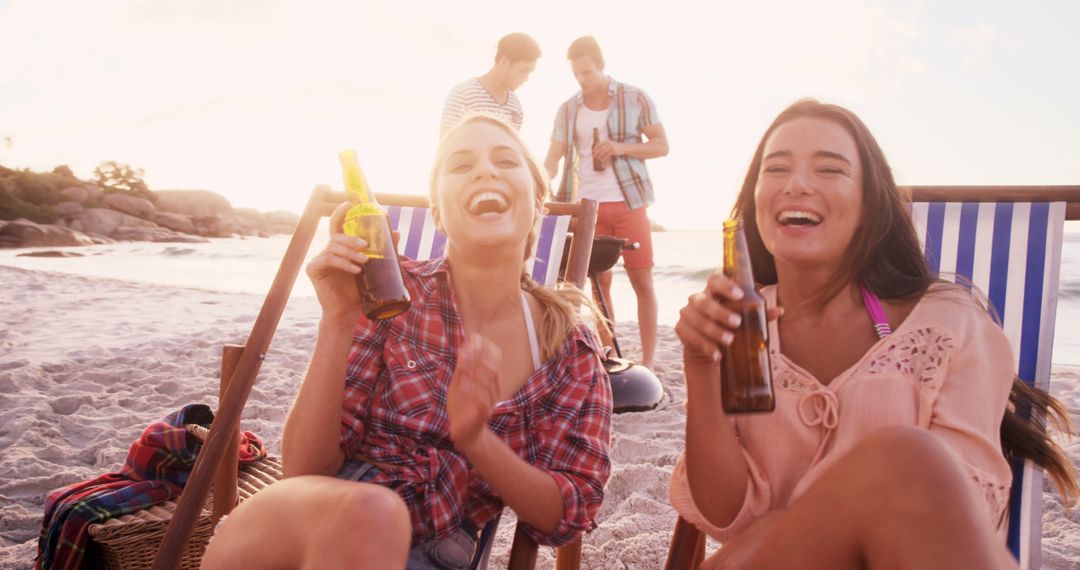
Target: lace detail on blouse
(787,378)
(996,494)
(922,353)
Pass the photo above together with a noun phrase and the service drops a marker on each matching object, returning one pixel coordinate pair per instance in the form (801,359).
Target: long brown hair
(885,256)
(560,307)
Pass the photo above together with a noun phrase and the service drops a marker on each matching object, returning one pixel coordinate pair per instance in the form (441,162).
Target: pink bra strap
(877,313)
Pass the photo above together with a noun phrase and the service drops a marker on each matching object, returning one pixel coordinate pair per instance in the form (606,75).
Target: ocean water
(684,259)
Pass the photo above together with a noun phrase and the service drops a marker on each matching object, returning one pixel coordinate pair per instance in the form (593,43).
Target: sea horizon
(684,259)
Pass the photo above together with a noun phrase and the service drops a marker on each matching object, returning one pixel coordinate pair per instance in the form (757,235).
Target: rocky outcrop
(123,227)
(184,216)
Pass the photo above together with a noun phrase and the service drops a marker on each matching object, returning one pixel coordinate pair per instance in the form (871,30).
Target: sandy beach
(87,363)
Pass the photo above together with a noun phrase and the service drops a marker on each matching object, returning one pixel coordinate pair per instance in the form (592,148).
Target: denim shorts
(454,552)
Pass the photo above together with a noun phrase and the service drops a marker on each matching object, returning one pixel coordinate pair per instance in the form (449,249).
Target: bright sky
(253,99)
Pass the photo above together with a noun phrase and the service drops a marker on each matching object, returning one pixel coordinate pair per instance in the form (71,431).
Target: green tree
(120,176)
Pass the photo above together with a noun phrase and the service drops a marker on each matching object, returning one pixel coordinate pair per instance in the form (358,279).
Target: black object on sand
(634,388)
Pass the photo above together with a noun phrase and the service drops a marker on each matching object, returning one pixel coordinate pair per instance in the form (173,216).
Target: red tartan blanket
(156,469)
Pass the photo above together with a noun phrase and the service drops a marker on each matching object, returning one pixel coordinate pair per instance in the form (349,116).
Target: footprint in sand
(67,405)
(13,364)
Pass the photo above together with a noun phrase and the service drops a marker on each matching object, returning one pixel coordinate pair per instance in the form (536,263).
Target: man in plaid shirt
(603,134)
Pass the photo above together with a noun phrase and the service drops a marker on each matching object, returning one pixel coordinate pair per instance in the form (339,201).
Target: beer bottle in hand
(597,164)
(382,290)
(745,373)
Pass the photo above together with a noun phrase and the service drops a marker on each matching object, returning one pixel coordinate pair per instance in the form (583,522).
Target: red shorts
(615,219)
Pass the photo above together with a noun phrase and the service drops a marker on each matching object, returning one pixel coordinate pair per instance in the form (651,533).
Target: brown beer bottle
(745,372)
(597,164)
(382,290)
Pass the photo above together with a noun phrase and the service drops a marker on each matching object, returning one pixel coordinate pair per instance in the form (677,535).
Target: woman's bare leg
(313,522)
(898,500)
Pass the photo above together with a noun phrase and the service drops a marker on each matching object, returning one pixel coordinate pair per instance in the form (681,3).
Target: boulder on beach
(253,220)
(282,221)
(24,233)
(50,253)
(103,221)
(76,194)
(128,204)
(68,209)
(192,202)
(175,222)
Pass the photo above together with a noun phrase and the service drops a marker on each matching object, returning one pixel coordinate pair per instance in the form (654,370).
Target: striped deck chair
(418,239)
(1007,242)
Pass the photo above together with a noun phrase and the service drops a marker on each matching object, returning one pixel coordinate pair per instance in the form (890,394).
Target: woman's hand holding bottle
(333,271)
(708,321)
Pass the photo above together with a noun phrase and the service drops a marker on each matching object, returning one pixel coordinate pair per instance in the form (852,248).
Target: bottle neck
(737,258)
(356,186)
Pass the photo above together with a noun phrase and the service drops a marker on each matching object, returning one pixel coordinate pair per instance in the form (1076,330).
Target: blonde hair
(560,305)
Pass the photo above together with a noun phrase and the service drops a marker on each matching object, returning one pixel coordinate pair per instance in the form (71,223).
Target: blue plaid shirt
(633,111)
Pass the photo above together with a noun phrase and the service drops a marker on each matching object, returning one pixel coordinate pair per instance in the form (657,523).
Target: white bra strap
(534,345)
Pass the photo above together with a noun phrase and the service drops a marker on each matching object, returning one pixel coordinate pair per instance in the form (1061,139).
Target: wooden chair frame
(241,364)
(687,547)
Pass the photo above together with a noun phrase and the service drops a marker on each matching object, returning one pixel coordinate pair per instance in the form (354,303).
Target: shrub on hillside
(13,208)
(35,188)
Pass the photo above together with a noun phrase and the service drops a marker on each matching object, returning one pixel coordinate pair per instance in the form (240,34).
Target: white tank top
(600,186)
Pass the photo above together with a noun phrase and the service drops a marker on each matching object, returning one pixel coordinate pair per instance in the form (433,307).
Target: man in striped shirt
(493,92)
(603,134)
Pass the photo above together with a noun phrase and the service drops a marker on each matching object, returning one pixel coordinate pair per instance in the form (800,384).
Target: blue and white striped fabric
(1012,253)
(420,240)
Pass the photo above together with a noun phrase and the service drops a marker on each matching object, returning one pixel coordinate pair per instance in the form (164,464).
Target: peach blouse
(947,368)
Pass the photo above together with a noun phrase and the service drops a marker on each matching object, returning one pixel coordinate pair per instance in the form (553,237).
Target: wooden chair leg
(568,556)
(523,551)
(193,498)
(225,494)
(687,548)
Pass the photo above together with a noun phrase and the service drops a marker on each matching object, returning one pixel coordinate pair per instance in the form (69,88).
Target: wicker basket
(130,542)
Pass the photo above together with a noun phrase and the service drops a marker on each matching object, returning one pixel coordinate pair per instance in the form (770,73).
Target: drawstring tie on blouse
(820,408)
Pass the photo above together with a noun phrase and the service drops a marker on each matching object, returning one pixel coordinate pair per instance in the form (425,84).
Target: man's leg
(607,213)
(604,280)
(642,282)
(635,227)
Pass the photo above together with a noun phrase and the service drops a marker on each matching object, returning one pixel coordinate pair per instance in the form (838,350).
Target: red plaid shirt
(394,412)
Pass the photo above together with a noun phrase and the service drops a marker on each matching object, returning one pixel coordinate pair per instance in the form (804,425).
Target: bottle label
(365,221)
